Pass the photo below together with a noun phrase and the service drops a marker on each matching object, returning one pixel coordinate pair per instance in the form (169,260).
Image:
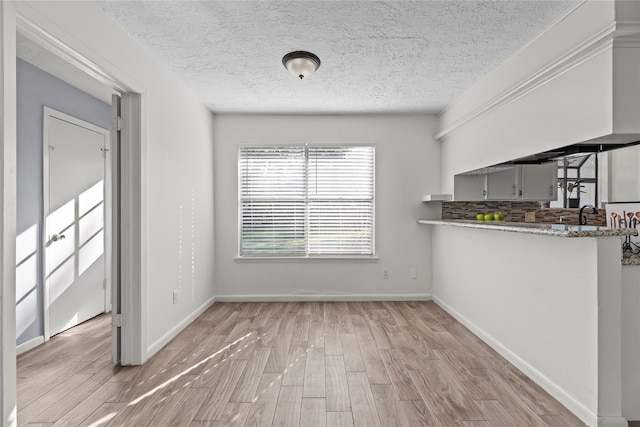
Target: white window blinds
(306,201)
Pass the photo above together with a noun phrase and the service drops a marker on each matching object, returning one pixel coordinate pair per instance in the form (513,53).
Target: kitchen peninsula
(558,230)
(548,297)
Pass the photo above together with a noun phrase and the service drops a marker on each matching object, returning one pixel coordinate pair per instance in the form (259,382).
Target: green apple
(498,216)
(488,217)
(480,217)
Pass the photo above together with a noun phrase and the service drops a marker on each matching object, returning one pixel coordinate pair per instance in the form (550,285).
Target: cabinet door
(540,182)
(503,185)
(469,187)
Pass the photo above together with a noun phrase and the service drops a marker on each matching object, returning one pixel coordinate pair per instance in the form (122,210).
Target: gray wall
(36,89)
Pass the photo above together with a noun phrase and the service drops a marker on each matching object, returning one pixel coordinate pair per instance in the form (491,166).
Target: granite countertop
(630,259)
(559,230)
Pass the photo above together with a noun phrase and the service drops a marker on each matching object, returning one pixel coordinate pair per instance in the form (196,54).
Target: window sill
(311,259)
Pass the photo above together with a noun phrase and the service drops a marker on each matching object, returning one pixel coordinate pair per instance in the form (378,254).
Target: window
(577,181)
(306,200)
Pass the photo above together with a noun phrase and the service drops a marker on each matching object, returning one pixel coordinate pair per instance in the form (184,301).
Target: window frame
(373,257)
(565,178)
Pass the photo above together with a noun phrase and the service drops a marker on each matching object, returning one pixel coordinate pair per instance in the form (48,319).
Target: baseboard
(612,422)
(32,343)
(173,332)
(536,376)
(323,297)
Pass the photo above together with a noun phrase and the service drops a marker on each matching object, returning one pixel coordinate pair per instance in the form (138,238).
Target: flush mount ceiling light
(301,63)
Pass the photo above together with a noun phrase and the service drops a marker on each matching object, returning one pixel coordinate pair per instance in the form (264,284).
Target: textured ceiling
(391,56)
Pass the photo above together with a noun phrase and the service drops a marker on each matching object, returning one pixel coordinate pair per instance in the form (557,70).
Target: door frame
(8,409)
(109,192)
(127,267)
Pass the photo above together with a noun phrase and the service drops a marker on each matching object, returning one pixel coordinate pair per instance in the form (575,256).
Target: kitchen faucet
(582,220)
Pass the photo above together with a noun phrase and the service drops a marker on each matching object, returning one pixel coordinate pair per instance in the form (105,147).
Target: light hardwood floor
(287,364)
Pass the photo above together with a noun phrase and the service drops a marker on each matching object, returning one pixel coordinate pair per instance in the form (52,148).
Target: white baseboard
(173,332)
(536,376)
(323,297)
(612,422)
(32,343)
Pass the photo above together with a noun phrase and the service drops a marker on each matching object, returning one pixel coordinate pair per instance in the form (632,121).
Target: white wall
(624,175)
(177,164)
(407,166)
(538,301)
(631,342)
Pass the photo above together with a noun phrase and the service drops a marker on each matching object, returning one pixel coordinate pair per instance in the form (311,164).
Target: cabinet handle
(551,191)
(513,193)
(484,192)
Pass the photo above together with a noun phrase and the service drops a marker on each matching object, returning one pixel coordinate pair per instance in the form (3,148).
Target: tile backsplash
(570,216)
(515,212)
(512,211)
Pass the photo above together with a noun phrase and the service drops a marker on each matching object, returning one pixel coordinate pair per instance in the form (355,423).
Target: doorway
(21,16)
(124,167)
(77,189)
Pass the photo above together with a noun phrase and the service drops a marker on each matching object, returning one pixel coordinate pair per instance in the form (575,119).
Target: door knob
(57,237)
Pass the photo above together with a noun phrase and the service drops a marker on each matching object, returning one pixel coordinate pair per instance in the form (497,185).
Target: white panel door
(75,226)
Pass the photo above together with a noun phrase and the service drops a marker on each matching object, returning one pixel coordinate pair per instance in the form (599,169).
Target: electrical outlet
(413,273)
(385,273)
(175,297)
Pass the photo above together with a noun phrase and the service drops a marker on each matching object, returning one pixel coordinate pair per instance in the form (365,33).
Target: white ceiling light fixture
(301,64)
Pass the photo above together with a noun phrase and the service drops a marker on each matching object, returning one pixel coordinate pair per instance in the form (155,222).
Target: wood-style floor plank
(332,343)
(103,415)
(288,407)
(351,350)
(277,361)
(363,405)
(314,373)
(390,410)
(180,409)
(309,364)
(339,419)
(40,410)
(300,328)
(233,415)
(418,413)
(376,371)
(221,390)
(246,388)
(264,407)
(398,368)
(337,389)
(314,412)
(495,413)
(444,395)
(295,365)
(316,334)
(87,406)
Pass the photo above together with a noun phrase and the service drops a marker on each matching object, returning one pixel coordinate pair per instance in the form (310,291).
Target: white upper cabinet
(518,182)
(504,184)
(540,182)
(470,187)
